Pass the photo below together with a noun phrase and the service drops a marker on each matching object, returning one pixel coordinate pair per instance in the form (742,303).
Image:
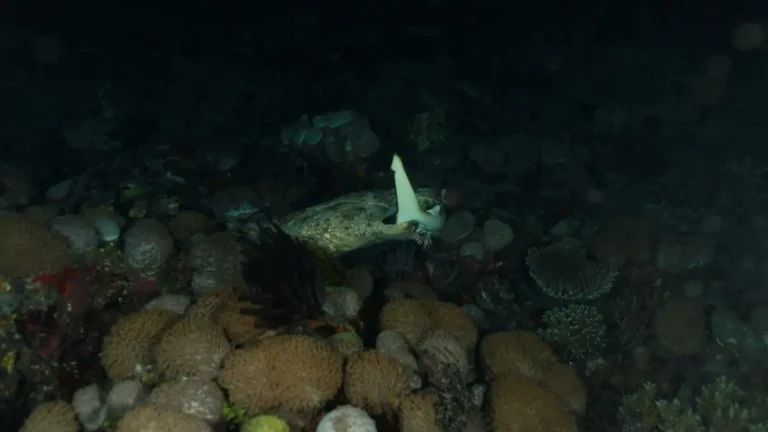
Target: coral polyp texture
(28,248)
(565,273)
(292,373)
(56,416)
(127,349)
(376,382)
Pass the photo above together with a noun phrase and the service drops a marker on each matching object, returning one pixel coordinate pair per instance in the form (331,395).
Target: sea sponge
(28,248)
(55,416)
(520,404)
(127,349)
(292,373)
(562,380)
(413,318)
(153,418)
(346,418)
(520,352)
(680,327)
(199,398)
(191,348)
(417,413)
(376,382)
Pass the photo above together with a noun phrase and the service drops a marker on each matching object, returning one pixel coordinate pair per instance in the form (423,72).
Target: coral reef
(576,331)
(565,273)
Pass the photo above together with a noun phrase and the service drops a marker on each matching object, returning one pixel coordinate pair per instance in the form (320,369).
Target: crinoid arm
(283,279)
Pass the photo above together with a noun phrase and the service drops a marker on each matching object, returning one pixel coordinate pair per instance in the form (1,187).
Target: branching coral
(283,279)
(720,406)
(565,273)
(576,331)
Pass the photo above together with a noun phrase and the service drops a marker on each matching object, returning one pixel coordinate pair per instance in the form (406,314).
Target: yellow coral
(265,423)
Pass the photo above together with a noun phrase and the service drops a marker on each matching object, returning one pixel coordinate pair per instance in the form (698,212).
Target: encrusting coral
(376,382)
(127,350)
(291,373)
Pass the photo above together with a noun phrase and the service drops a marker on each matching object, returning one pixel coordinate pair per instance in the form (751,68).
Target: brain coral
(292,373)
(414,318)
(128,346)
(54,416)
(520,352)
(153,418)
(519,404)
(191,348)
(376,382)
(28,248)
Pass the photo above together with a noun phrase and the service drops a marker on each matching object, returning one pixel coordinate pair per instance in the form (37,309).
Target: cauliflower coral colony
(170,325)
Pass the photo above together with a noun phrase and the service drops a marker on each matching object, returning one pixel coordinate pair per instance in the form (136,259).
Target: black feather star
(283,277)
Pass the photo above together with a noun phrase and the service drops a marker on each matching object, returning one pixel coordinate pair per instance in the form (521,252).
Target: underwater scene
(421,216)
